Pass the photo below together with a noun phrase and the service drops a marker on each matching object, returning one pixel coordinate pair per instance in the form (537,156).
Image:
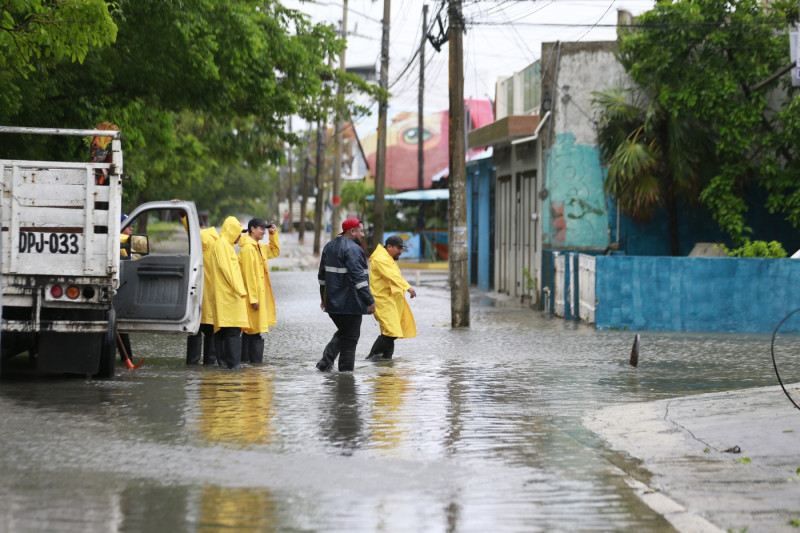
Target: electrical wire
(774,364)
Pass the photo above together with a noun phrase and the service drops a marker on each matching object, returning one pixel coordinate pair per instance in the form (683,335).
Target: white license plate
(37,242)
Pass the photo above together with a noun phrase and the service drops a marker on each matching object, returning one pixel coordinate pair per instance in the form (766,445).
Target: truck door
(161,269)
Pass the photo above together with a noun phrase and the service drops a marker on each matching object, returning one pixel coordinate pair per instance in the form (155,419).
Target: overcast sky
(503,37)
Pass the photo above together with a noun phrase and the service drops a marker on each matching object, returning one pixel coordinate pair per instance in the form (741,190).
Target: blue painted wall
(695,293)
(695,225)
(480,221)
(574,212)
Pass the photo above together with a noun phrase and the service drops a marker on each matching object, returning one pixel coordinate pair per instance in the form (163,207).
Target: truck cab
(70,285)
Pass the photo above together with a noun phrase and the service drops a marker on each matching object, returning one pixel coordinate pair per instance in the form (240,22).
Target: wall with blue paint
(696,225)
(480,221)
(577,215)
(695,293)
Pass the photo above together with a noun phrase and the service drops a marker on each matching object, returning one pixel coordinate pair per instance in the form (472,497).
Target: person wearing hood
(230,296)
(202,344)
(391,308)
(344,289)
(253,258)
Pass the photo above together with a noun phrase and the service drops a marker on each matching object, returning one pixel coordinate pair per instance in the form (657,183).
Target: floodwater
(466,430)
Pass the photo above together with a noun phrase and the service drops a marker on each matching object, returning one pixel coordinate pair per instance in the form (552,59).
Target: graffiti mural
(402,140)
(577,214)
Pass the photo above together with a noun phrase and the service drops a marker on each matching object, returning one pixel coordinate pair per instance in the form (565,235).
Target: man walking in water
(344,290)
(391,308)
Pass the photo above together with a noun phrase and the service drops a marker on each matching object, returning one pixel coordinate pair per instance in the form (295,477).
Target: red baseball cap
(349,224)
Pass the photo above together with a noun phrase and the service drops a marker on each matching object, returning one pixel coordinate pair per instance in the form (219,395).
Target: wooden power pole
(339,144)
(420,122)
(289,187)
(379,209)
(320,207)
(301,232)
(457,227)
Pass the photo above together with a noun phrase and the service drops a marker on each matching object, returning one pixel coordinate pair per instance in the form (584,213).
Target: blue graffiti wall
(574,212)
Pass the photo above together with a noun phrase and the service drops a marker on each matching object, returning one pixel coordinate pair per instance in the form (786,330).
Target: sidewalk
(720,461)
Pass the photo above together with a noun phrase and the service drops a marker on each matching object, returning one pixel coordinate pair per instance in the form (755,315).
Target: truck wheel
(108,348)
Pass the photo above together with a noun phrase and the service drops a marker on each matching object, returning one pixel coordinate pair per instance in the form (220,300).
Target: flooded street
(466,430)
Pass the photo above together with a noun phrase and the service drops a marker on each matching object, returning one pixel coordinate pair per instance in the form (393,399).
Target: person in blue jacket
(344,290)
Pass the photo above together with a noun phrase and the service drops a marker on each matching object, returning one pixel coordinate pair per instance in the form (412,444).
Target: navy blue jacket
(344,278)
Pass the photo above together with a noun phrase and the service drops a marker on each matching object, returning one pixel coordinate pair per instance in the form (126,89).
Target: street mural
(402,140)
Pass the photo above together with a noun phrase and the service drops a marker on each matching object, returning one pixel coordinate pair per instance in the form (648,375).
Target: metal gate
(516,232)
(586,279)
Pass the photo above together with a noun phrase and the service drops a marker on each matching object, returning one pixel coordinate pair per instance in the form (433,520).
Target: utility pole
(304,187)
(457,227)
(420,124)
(289,191)
(337,160)
(379,214)
(320,195)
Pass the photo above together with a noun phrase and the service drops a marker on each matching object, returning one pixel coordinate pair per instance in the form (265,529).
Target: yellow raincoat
(255,272)
(388,288)
(230,296)
(208,237)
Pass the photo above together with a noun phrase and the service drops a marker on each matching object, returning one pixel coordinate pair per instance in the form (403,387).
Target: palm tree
(654,158)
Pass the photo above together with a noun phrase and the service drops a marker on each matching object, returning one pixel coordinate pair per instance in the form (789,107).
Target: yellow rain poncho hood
(388,288)
(230,296)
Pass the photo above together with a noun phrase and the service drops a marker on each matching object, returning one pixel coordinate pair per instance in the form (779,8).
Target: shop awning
(417,196)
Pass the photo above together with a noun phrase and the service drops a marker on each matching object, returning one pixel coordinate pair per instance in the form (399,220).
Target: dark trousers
(252,348)
(201,344)
(229,347)
(383,347)
(343,343)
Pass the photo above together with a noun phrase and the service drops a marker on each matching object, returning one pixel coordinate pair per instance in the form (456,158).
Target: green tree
(654,158)
(65,29)
(201,90)
(702,59)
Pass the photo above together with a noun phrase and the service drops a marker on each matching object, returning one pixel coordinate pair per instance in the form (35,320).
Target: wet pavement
(478,429)
(720,461)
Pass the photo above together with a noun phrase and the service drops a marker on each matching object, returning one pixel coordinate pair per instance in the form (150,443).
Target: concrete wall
(575,213)
(695,294)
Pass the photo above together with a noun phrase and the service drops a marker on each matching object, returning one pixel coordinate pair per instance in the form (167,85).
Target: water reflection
(236,408)
(466,430)
(340,419)
(237,509)
(389,389)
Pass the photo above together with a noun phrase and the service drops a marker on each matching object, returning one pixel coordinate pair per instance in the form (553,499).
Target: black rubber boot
(376,351)
(194,347)
(388,347)
(245,348)
(256,348)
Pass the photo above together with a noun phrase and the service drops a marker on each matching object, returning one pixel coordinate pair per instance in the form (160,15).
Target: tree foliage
(58,29)
(201,90)
(702,59)
(654,158)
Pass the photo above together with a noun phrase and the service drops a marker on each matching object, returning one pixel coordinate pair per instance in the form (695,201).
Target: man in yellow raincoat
(230,296)
(391,308)
(203,341)
(255,272)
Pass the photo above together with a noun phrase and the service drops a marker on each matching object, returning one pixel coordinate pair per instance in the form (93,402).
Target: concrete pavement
(725,461)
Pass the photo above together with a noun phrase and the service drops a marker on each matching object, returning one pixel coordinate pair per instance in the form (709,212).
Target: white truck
(66,291)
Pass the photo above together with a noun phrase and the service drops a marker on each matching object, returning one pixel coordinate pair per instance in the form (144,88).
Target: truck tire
(108,348)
